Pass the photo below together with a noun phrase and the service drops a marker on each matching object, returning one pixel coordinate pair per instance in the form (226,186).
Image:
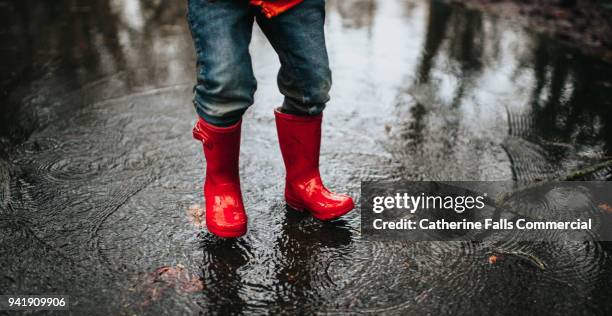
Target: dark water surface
(100,180)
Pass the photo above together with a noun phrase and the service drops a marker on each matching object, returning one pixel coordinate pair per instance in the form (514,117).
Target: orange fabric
(273,8)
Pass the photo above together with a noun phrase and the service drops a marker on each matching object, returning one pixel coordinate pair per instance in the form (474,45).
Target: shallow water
(100,186)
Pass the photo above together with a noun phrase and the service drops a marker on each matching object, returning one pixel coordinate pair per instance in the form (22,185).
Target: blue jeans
(221,31)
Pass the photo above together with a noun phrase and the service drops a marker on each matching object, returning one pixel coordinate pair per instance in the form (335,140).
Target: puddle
(101,181)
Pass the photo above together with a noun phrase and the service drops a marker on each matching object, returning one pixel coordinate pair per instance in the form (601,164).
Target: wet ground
(100,180)
(585,24)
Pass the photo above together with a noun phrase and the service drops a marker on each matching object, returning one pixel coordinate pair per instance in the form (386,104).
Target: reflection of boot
(300,140)
(225,216)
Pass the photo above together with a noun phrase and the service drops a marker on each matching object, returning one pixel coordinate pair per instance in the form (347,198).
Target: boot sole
(226,233)
(297,206)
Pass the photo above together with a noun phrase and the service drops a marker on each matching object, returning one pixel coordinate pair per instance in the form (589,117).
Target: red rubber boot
(300,141)
(225,216)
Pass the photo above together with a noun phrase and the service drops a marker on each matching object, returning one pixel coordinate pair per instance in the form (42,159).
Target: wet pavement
(100,180)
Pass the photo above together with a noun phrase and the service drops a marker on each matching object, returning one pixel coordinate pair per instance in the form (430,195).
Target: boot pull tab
(201,135)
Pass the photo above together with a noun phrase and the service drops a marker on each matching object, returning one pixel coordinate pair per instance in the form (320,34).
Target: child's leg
(298,37)
(221,32)
(305,79)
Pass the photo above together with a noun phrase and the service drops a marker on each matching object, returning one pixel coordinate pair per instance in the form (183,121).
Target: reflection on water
(98,170)
(222,261)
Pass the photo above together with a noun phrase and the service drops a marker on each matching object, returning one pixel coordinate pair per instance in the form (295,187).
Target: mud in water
(101,182)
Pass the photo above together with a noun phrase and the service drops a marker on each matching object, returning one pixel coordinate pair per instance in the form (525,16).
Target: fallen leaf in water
(423,296)
(291,278)
(195,214)
(163,278)
(493,259)
(605,207)
(522,257)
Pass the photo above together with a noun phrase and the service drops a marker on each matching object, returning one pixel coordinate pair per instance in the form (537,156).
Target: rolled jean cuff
(297,108)
(220,121)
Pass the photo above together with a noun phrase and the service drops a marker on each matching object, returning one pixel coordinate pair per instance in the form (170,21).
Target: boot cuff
(202,124)
(202,129)
(299,118)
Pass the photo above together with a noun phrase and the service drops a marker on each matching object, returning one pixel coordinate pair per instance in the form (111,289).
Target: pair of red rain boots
(300,141)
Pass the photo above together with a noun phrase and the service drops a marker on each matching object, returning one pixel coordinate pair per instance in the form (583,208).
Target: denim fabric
(221,31)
